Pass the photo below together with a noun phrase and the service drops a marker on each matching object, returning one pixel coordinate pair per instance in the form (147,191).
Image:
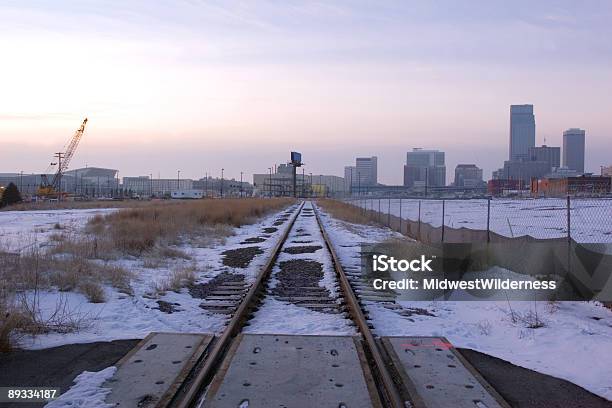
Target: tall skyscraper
(522,131)
(573,149)
(425,167)
(367,170)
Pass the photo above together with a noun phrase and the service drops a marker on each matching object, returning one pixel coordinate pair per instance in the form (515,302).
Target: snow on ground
(279,317)
(574,343)
(87,391)
(285,318)
(591,219)
(124,316)
(21,229)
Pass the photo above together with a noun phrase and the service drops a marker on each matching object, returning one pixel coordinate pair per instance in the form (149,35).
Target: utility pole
(240,184)
(304,184)
(21,182)
(59,156)
(270,183)
(222,182)
(206,184)
(178,180)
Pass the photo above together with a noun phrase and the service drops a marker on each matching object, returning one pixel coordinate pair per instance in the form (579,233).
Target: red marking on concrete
(434,343)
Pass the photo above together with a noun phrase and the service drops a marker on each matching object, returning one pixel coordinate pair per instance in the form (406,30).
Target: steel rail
(391,393)
(221,345)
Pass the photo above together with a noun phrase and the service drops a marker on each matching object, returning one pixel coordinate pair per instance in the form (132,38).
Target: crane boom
(64,159)
(50,189)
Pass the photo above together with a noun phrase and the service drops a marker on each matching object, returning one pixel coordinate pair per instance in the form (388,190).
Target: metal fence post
(443,209)
(419,232)
(400,217)
(569,237)
(488,219)
(569,224)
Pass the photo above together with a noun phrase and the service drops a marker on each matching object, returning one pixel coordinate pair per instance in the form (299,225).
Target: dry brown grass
(178,279)
(23,278)
(137,230)
(346,212)
(38,270)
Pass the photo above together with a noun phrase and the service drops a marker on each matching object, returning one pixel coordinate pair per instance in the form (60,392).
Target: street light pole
(178,180)
(270,183)
(222,182)
(240,184)
(310,185)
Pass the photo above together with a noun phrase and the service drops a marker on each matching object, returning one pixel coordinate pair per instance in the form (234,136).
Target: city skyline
(201,87)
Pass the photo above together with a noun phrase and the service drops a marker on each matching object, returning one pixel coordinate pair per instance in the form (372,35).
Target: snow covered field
(21,229)
(125,316)
(591,219)
(574,342)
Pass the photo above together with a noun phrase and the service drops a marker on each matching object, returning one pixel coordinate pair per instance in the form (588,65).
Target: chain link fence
(582,220)
(568,237)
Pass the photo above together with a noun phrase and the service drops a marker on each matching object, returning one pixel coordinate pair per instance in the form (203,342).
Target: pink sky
(178,86)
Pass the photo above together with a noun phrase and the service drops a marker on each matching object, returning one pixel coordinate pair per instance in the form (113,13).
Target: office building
(367,170)
(425,168)
(522,132)
(549,154)
(350,177)
(468,175)
(523,171)
(573,149)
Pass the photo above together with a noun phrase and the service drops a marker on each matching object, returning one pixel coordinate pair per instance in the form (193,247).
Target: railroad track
(292,276)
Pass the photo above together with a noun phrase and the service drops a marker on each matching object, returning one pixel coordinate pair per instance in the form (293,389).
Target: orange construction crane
(53,189)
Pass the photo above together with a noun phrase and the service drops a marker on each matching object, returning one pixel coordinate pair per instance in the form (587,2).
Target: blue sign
(296,159)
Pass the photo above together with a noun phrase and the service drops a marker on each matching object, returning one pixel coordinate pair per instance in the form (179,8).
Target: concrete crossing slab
(436,375)
(293,371)
(152,372)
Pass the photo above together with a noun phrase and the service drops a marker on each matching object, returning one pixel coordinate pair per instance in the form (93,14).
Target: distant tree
(11,196)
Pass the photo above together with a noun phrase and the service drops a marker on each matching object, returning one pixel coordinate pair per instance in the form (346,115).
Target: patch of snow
(87,391)
(285,318)
(19,230)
